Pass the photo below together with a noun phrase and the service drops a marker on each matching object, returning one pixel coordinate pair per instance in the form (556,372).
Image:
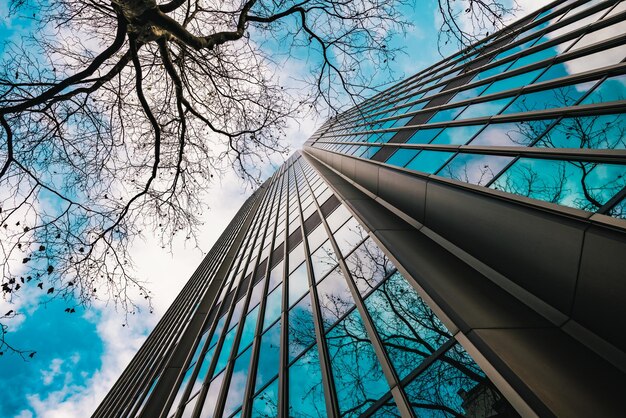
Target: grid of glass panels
(313,318)
(538,110)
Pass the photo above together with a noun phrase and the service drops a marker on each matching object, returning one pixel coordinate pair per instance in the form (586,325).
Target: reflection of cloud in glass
(474,169)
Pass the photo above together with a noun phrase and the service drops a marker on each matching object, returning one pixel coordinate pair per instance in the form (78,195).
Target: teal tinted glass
(619,210)
(580,185)
(474,169)
(512,82)
(446,115)
(368,266)
(455,386)
(204,369)
(249,327)
(238,379)
(468,94)
(499,69)
(407,327)
(401,157)
(596,132)
(335,298)
(226,348)
(389,409)
(479,110)
(301,327)
(610,90)
(273,307)
(429,161)
(423,136)
(516,134)
(541,55)
(306,393)
(269,356)
(547,99)
(358,376)
(265,404)
(457,135)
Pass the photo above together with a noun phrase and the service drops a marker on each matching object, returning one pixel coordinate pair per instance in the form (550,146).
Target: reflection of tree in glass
(368,265)
(580,184)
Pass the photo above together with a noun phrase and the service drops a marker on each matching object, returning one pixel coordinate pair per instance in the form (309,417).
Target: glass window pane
(296,256)
(547,99)
(423,136)
(590,62)
(238,380)
(225,353)
(298,284)
(612,89)
(458,135)
(446,114)
(306,392)
(265,405)
(317,237)
(407,327)
(516,134)
(581,185)
(349,236)
(358,376)
(429,161)
(276,276)
(596,132)
(204,369)
(474,169)
(479,110)
(368,265)
(401,157)
(619,210)
(323,260)
(456,387)
(269,356)
(249,327)
(273,307)
(512,82)
(208,409)
(301,327)
(338,217)
(334,297)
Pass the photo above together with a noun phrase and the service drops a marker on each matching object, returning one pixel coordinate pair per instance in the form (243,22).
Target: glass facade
(556,83)
(380,272)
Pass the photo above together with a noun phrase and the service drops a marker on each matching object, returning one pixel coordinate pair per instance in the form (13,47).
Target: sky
(80,356)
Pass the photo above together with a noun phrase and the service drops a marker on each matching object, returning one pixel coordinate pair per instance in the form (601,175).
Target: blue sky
(79,356)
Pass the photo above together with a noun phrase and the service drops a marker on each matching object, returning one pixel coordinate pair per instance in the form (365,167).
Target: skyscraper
(453,246)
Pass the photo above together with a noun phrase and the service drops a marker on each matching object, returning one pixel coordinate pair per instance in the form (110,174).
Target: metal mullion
(204,349)
(330,396)
(219,345)
(390,374)
(283,371)
(221,400)
(258,334)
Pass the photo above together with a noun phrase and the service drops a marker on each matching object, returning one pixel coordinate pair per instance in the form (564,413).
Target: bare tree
(116,117)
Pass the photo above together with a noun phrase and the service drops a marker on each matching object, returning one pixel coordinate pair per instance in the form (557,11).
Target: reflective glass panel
(479,110)
(611,89)
(429,161)
(269,356)
(298,284)
(596,132)
(619,210)
(401,157)
(409,330)
(368,265)
(547,99)
(323,260)
(516,134)
(237,388)
(580,185)
(590,62)
(512,82)
(208,409)
(457,135)
(423,136)
(306,392)
(474,169)
(349,235)
(301,327)
(204,369)
(249,328)
(455,386)
(358,376)
(335,298)
(265,404)
(273,307)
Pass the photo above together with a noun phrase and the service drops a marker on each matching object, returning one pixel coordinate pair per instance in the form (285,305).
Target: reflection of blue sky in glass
(306,394)
(474,169)
(517,134)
